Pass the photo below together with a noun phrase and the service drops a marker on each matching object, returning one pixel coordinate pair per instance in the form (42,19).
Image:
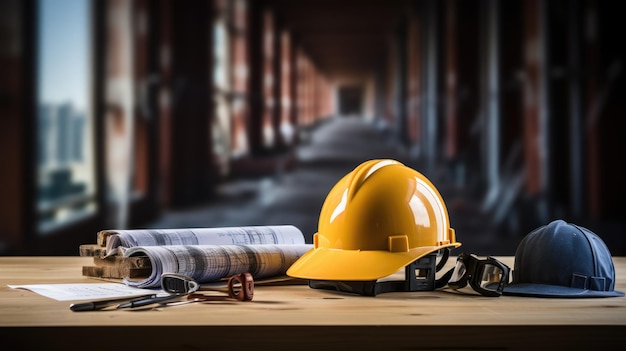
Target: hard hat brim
(334,264)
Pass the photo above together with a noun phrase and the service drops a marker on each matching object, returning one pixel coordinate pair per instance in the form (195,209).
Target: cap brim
(543,290)
(335,264)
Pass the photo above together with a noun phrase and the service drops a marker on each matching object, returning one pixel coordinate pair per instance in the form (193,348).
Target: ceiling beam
(342,37)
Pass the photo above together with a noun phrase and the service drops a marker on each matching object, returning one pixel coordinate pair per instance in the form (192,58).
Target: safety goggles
(486,276)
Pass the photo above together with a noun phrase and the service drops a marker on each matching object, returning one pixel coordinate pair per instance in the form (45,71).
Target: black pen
(100,304)
(148,301)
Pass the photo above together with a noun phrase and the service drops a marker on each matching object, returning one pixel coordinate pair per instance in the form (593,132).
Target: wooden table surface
(298,317)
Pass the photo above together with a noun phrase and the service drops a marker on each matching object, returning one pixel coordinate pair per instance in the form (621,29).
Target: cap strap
(598,283)
(580,281)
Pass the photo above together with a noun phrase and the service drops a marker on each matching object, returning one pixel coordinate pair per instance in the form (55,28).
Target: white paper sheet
(84,291)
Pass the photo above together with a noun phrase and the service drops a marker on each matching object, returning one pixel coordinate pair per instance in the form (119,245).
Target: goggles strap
(443,281)
(444,259)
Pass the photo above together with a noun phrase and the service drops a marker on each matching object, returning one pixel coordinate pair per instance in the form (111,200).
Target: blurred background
(202,113)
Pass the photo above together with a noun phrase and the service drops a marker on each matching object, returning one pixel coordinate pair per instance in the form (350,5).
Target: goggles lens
(491,277)
(486,276)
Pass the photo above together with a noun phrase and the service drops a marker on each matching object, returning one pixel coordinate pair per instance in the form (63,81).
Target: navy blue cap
(563,260)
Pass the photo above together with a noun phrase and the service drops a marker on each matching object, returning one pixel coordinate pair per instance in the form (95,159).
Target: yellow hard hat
(377,219)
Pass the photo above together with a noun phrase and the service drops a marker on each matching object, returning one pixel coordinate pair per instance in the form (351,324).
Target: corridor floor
(325,155)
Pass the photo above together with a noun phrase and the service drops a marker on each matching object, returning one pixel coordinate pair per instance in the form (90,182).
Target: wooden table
(297,317)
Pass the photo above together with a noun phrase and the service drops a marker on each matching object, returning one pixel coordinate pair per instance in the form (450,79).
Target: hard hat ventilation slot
(419,276)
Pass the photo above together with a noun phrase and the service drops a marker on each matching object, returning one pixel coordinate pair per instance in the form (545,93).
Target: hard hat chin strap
(419,276)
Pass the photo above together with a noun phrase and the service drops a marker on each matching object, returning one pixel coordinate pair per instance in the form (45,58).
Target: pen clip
(148,301)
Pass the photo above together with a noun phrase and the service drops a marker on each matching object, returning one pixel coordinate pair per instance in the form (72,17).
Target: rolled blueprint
(207,263)
(249,235)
